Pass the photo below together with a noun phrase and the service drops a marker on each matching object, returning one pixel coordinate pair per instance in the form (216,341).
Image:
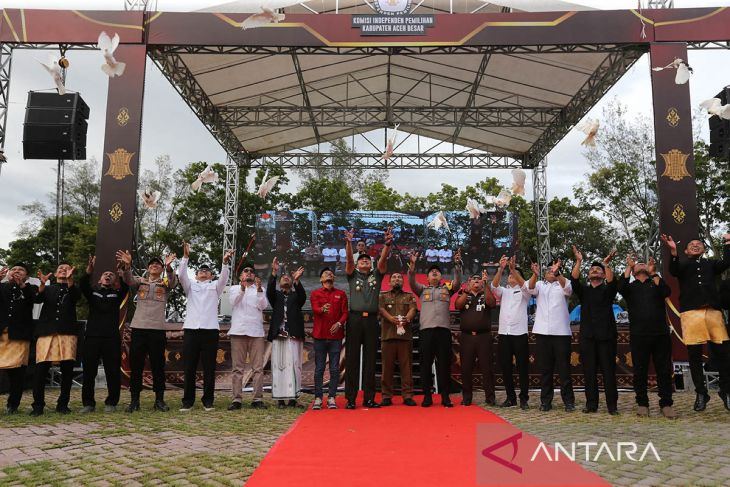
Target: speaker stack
(720,130)
(55,126)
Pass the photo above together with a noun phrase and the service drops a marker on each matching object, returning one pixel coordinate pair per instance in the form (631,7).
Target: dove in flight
(683,71)
(474,208)
(589,127)
(503,198)
(207,176)
(267,185)
(390,146)
(54,69)
(107,45)
(266,16)
(439,221)
(714,106)
(149,198)
(518,181)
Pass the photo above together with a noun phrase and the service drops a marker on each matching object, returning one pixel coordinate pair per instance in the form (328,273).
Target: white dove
(267,185)
(683,71)
(439,221)
(266,16)
(54,70)
(589,127)
(503,198)
(207,176)
(490,200)
(518,181)
(390,146)
(107,46)
(149,198)
(474,208)
(714,106)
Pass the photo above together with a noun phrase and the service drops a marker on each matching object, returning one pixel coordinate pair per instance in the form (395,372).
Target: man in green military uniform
(397,309)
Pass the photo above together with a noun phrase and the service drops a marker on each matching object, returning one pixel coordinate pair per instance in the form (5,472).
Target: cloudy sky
(169,127)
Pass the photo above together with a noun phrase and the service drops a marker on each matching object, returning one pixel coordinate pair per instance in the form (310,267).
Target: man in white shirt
(201,327)
(432,256)
(513,330)
(445,257)
(330,255)
(552,334)
(248,301)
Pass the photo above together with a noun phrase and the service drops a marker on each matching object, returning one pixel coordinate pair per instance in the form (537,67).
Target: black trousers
(599,354)
(554,351)
(39,386)
(473,348)
(147,343)
(721,355)
(514,346)
(435,344)
(199,346)
(659,349)
(109,350)
(361,331)
(16,378)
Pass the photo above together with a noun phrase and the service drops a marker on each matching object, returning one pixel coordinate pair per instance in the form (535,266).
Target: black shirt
(596,309)
(286,304)
(645,300)
(475,315)
(16,310)
(58,315)
(104,306)
(725,293)
(697,280)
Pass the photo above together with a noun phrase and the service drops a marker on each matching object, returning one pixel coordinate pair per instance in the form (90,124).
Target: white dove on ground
(474,208)
(267,185)
(518,181)
(714,106)
(390,146)
(149,197)
(439,221)
(589,127)
(107,46)
(54,70)
(683,71)
(207,176)
(259,19)
(503,198)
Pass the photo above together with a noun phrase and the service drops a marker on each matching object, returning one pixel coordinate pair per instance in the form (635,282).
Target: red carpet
(402,446)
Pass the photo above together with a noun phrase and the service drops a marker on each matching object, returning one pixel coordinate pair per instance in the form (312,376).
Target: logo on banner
(673,117)
(392,7)
(678,214)
(393,19)
(119,164)
(675,165)
(116,213)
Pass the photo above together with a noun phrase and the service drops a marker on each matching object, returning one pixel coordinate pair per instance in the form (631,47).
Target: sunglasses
(247,269)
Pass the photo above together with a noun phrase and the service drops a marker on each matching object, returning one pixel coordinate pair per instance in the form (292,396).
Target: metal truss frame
(230,210)
(540,206)
(382,116)
(6,57)
(295,160)
(608,73)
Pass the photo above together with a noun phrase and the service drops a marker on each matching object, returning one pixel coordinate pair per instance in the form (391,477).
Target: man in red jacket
(329,306)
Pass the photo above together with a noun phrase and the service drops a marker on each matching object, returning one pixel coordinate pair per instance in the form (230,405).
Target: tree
(327,196)
(713,187)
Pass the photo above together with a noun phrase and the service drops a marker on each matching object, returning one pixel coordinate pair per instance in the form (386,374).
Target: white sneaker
(208,408)
(317,403)
(185,409)
(331,404)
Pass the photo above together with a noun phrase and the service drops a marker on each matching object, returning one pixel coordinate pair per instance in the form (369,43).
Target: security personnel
(397,310)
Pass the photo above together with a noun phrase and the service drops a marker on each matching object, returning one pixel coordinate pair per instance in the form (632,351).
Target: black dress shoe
(281,404)
(350,405)
(570,407)
(508,403)
(63,410)
(36,412)
(427,402)
(466,402)
(546,407)
(11,410)
(386,402)
(725,400)
(161,406)
(588,410)
(613,412)
(259,405)
(447,403)
(524,405)
(490,402)
(410,402)
(133,406)
(371,404)
(701,402)
(235,406)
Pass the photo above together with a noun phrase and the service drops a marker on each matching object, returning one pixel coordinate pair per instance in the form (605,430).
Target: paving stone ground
(223,448)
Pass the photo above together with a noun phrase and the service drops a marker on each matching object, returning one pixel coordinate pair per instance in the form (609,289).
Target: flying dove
(503,198)
(266,16)
(439,221)
(714,106)
(389,147)
(589,127)
(207,176)
(107,46)
(683,71)
(474,208)
(149,198)
(267,185)
(490,200)
(54,69)
(518,181)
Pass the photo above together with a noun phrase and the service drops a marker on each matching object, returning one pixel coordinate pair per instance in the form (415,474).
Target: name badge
(480,307)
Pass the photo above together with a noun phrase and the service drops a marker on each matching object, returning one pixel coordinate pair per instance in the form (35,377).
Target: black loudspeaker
(55,126)
(720,130)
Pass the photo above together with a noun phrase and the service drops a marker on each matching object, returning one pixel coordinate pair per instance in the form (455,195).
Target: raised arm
(489,297)
(513,271)
(672,246)
(607,265)
(535,268)
(383,260)
(171,277)
(500,270)
(556,271)
(721,265)
(225,271)
(298,288)
(456,283)
(575,274)
(182,271)
(416,287)
(349,259)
